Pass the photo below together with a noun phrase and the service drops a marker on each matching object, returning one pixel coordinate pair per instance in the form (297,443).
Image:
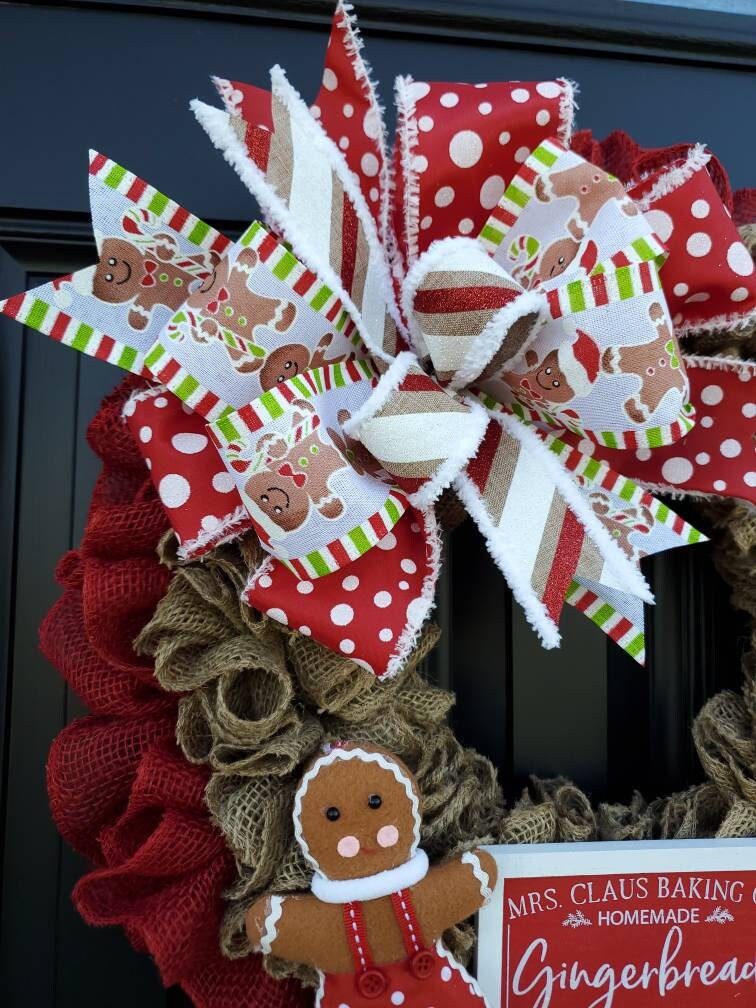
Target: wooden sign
(621,925)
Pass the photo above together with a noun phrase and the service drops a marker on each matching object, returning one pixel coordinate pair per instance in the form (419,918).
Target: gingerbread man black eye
(332,813)
(375,801)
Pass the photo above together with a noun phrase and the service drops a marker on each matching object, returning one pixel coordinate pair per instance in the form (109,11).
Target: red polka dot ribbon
(483,310)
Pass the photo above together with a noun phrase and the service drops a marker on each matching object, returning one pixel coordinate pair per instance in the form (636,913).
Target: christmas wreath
(497,319)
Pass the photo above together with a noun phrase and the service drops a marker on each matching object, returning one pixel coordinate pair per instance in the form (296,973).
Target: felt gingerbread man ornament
(372,922)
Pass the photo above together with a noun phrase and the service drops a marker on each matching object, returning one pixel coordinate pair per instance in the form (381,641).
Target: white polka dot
(520,95)
(382,599)
(145,434)
(404,585)
(750,479)
(346,646)
(739,294)
(543,116)
(449,99)
(425,124)
(730,448)
(699,244)
(369,164)
(661,222)
(279,615)
(189,444)
(315,112)
(148,463)
(465,225)
(748,410)
(712,395)
(385,635)
(305,587)
(700,208)
(330,81)
(522,154)
(677,319)
(485,108)
(707,421)
(414,527)
(210,522)
(643,453)
(739,259)
(387,543)
(680,289)
(174,490)
(703,458)
(223,482)
(720,485)
(677,470)
(364,665)
(446,974)
(344,143)
(397,998)
(444,196)
(374,194)
(417,611)
(129,408)
(408,566)
(371,124)
(425,223)
(342,614)
(348,110)
(504,138)
(744,375)
(264,581)
(161,402)
(491,191)
(305,631)
(465,148)
(548,89)
(420,163)
(417,90)
(350,583)
(481,86)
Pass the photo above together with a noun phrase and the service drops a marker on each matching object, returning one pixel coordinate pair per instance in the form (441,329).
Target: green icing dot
(163,277)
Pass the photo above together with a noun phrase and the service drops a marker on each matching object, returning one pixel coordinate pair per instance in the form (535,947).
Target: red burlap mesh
(744,207)
(120,790)
(619,154)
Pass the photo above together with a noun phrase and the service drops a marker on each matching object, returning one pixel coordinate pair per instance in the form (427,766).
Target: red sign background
(683,940)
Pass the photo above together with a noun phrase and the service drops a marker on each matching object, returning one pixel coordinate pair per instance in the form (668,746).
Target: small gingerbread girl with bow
(372,922)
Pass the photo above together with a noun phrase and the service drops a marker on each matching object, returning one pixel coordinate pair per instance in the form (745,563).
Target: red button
(371,983)
(422,964)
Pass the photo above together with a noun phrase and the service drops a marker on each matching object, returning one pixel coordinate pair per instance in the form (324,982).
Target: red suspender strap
(370,981)
(422,962)
(357,937)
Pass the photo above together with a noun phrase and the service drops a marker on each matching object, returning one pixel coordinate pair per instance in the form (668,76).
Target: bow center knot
(468,314)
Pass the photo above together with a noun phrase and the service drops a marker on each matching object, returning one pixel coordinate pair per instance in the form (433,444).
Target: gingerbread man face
(356,813)
(556,258)
(119,272)
(286,503)
(283,363)
(544,382)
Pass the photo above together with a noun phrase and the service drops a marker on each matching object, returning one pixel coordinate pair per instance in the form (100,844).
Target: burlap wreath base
(250,701)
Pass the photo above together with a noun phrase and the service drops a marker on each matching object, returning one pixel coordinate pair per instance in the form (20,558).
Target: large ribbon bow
(356,357)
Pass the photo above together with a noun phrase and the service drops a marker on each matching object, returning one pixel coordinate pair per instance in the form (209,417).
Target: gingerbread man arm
(453,891)
(166,247)
(139,316)
(299,928)
(318,358)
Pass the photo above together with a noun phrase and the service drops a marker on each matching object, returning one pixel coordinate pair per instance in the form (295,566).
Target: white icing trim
(407,138)
(444,953)
(481,875)
(270,929)
(337,754)
(568,106)
(423,604)
(216,124)
(371,887)
(673,178)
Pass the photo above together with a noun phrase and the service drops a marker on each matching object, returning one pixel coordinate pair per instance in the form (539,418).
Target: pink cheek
(348,846)
(387,836)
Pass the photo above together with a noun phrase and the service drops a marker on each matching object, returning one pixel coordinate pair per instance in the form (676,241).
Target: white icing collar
(371,887)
